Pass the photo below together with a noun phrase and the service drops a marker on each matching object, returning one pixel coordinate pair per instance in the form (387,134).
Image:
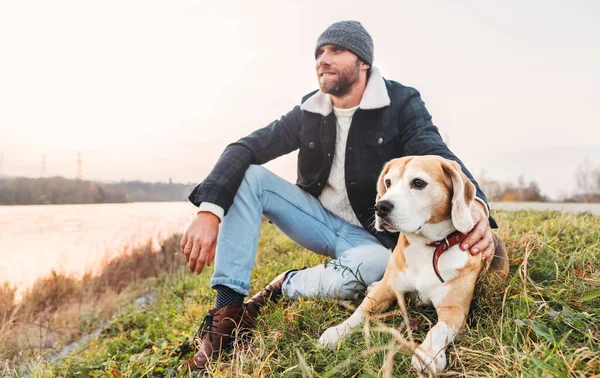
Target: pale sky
(155,90)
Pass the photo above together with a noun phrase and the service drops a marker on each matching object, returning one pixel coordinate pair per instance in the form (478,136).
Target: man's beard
(346,79)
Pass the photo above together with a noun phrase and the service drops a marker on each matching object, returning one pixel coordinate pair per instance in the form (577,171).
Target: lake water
(75,238)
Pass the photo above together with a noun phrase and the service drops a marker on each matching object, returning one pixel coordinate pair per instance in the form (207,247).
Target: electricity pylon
(79,166)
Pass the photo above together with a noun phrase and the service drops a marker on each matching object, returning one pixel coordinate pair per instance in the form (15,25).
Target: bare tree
(583,177)
(588,182)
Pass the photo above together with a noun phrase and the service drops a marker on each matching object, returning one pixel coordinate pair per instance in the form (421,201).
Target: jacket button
(380,140)
(319,184)
(349,148)
(353,183)
(329,154)
(311,145)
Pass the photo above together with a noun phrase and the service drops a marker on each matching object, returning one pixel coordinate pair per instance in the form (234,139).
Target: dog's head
(424,194)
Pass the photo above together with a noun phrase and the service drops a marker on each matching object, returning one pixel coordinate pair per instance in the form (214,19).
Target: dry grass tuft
(59,308)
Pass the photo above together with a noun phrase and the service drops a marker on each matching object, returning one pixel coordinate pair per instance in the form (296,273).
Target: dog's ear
(380,184)
(398,163)
(463,195)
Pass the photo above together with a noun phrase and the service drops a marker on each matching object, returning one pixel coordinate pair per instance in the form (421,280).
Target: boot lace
(206,327)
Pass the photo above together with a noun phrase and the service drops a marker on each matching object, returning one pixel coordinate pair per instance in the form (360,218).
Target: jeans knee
(367,262)
(255,174)
(348,282)
(255,171)
(351,289)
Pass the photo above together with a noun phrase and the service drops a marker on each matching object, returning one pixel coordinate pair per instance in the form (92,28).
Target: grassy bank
(59,309)
(542,321)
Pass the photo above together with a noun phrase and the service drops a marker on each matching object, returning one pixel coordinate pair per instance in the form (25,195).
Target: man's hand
(480,237)
(199,241)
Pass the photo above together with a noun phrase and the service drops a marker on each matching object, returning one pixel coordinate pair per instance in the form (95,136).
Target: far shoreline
(83,203)
(563,207)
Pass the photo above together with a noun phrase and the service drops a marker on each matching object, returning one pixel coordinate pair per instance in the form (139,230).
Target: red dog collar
(444,245)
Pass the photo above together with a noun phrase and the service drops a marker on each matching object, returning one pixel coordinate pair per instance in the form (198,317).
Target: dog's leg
(452,310)
(430,357)
(379,299)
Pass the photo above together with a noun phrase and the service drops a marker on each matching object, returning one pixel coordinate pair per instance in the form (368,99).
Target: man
(345,132)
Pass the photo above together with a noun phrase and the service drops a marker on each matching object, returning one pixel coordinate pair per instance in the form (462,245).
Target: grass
(59,308)
(543,321)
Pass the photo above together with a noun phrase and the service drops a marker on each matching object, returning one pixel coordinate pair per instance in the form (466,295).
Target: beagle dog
(428,199)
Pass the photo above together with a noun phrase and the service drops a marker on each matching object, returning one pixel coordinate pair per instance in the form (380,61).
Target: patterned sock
(227,296)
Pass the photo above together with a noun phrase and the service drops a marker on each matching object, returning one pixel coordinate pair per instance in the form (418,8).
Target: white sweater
(334,196)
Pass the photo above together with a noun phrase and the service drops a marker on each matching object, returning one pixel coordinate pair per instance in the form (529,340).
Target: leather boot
(272,291)
(217,333)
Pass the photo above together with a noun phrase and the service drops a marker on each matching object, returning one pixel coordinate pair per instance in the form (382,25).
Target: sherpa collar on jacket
(375,96)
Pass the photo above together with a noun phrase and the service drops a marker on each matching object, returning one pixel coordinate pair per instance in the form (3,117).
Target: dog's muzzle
(383,208)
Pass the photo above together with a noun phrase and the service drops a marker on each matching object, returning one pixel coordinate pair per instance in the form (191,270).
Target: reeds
(59,308)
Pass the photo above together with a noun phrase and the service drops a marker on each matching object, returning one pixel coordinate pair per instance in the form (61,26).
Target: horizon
(100,181)
(163,90)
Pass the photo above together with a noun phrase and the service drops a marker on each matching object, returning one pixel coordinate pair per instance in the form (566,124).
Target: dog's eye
(418,184)
(388,183)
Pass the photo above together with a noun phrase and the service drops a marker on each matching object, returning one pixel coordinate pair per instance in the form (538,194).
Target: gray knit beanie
(349,35)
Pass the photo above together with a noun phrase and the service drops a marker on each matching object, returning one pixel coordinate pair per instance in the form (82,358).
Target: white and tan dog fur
(426,198)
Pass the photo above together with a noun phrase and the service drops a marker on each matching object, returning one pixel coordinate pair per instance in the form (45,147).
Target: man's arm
(421,137)
(215,194)
(277,139)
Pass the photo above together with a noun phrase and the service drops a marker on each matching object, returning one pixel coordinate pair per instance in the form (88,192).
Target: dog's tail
(499,263)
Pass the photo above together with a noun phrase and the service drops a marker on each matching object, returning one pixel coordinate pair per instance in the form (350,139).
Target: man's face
(337,70)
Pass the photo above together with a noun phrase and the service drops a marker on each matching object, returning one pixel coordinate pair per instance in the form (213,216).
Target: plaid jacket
(378,133)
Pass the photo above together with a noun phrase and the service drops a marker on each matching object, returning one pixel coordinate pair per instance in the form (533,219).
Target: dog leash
(444,245)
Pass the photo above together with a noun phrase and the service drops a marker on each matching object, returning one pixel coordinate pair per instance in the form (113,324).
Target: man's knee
(357,269)
(254,176)
(346,277)
(367,262)
(255,173)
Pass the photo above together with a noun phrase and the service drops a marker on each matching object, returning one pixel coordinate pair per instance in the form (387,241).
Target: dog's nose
(383,208)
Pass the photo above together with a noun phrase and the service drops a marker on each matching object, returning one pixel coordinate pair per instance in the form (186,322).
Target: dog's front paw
(331,337)
(428,361)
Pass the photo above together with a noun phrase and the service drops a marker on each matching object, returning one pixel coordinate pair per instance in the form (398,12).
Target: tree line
(586,177)
(60,190)
(507,191)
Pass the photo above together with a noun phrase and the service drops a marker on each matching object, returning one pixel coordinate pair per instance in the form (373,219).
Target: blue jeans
(355,252)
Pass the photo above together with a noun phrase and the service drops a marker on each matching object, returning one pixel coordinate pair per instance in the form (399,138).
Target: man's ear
(363,65)
(463,195)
